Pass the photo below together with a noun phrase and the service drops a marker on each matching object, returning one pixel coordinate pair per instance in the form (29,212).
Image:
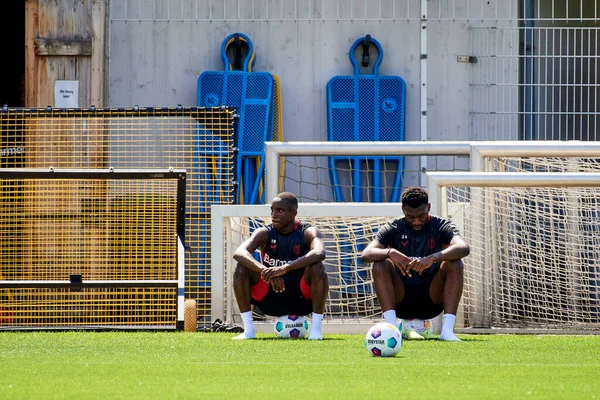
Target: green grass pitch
(179,365)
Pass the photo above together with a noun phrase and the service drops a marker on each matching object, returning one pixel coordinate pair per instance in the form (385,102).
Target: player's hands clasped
(273,277)
(405,265)
(269,273)
(420,264)
(401,261)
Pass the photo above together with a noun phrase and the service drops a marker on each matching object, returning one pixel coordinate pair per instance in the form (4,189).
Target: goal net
(89,249)
(534,251)
(534,237)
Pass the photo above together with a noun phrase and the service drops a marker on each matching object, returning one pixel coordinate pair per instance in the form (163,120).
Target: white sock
(390,317)
(315,327)
(448,328)
(249,332)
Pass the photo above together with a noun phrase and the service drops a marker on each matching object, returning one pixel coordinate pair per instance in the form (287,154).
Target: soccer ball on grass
(383,340)
(291,327)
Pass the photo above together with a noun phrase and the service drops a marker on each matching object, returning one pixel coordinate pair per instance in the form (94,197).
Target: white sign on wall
(66,94)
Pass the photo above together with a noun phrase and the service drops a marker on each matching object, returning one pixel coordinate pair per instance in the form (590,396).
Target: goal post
(534,253)
(276,151)
(346,229)
(475,205)
(92,248)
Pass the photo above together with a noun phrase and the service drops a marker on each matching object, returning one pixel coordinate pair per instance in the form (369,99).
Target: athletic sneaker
(416,329)
(220,326)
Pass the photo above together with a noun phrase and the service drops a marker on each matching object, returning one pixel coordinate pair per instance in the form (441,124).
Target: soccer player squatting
(291,279)
(417,267)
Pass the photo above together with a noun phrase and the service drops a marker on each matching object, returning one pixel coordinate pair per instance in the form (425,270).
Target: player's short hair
(415,197)
(290,199)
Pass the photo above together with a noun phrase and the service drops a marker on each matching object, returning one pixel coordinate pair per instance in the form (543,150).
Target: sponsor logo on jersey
(274,262)
(296,249)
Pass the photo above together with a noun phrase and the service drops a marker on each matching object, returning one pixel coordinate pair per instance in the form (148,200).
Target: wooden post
(97,88)
(31,23)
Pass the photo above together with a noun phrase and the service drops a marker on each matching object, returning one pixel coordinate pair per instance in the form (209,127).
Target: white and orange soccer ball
(383,340)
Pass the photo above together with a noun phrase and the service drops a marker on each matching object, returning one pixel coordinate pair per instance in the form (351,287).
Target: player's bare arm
(316,254)
(457,249)
(243,254)
(375,251)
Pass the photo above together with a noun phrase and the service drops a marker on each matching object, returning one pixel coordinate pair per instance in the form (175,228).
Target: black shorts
(289,302)
(417,302)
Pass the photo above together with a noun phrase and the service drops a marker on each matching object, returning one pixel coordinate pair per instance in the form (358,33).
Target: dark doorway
(12,32)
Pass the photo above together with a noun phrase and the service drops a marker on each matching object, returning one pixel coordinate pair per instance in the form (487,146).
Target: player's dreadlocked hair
(290,199)
(415,197)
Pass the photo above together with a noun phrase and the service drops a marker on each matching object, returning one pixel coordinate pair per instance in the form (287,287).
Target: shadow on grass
(325,339)
(435,339)
(462,339)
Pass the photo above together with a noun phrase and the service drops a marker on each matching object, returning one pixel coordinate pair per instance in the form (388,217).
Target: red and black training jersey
(435,235)
(283,249)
